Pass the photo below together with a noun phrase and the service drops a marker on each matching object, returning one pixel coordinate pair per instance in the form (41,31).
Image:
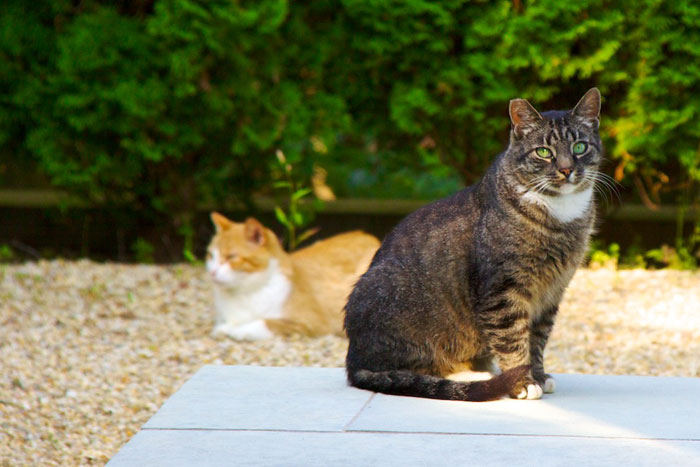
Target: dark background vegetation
(152,112)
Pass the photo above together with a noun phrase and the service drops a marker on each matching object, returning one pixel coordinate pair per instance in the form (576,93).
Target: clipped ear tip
(523,115)
(516,103)
(523,105)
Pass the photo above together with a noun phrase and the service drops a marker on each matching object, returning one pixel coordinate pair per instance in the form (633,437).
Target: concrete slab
(256,416)
(316,449)
(272,398)
(584,405)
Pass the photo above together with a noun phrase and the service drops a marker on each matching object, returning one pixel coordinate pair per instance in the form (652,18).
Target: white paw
(221,330)
(253,331)
(550,386)
(533,391)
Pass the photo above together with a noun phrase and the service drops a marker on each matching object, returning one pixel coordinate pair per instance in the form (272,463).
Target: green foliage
(633,257)
(659,118)
(599,256)
(297,214)
(190,257)
(681,257)
(143,251)
(169,110)
(182,104)
(6,253)
(673,258)
(446,70)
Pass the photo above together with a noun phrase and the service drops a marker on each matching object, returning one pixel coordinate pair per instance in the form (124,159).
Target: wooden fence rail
(27,198)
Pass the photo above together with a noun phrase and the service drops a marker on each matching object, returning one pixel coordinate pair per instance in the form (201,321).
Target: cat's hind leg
(487,363)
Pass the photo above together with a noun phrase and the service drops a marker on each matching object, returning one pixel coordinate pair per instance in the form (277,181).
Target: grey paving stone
(247,397)
(255,416)
(584,405)
(245,448)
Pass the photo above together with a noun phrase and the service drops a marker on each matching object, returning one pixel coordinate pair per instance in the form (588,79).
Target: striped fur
(477,277)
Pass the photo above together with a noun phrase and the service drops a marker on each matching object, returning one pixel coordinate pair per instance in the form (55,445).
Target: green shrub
(175,104)
(601,257)
(673,258)
(634,256)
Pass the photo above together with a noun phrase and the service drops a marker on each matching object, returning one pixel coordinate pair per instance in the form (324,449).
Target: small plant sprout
(298,214)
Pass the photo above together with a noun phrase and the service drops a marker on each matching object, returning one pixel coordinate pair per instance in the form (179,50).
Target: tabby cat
(260,290)
(474,281)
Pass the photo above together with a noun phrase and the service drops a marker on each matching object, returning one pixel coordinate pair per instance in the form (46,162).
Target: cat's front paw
(548,383)
(253,331)
(527,389)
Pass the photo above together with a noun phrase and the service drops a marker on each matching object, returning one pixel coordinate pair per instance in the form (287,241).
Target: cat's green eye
(543,153)
(579,147)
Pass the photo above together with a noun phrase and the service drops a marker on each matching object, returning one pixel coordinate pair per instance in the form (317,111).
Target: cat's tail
(407,383)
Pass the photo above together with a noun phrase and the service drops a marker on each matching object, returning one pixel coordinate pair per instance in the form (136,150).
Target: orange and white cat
(260,290)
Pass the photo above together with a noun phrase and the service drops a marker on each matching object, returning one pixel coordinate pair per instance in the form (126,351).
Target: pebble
(90,351)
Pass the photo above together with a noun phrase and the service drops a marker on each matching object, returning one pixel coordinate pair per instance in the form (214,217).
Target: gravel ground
(89,351)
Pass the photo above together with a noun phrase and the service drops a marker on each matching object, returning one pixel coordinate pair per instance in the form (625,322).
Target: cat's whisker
(542,187)
(537,180)
(598,188)
(540,184)
(615,191)
(612,184)
(602,192)
(604,182)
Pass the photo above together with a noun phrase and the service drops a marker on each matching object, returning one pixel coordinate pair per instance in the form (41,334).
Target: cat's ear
(523,116)
(220,222)
(254,231)
(587,111)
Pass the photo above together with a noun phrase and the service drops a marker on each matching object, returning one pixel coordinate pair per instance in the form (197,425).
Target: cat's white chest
(566,207)
(257,298)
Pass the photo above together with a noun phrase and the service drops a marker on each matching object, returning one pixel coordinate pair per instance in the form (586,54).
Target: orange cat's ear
(254,231)
(220,222)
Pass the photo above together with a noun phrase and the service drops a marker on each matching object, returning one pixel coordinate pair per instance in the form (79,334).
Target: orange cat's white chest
(242,298)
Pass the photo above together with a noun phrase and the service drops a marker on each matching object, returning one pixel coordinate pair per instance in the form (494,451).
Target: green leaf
(297,218)
(297,195)
(282,217)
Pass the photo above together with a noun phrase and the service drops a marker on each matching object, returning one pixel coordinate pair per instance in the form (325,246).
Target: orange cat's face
(237,251)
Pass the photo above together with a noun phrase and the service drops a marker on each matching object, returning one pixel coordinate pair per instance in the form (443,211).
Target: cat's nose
(565,172)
